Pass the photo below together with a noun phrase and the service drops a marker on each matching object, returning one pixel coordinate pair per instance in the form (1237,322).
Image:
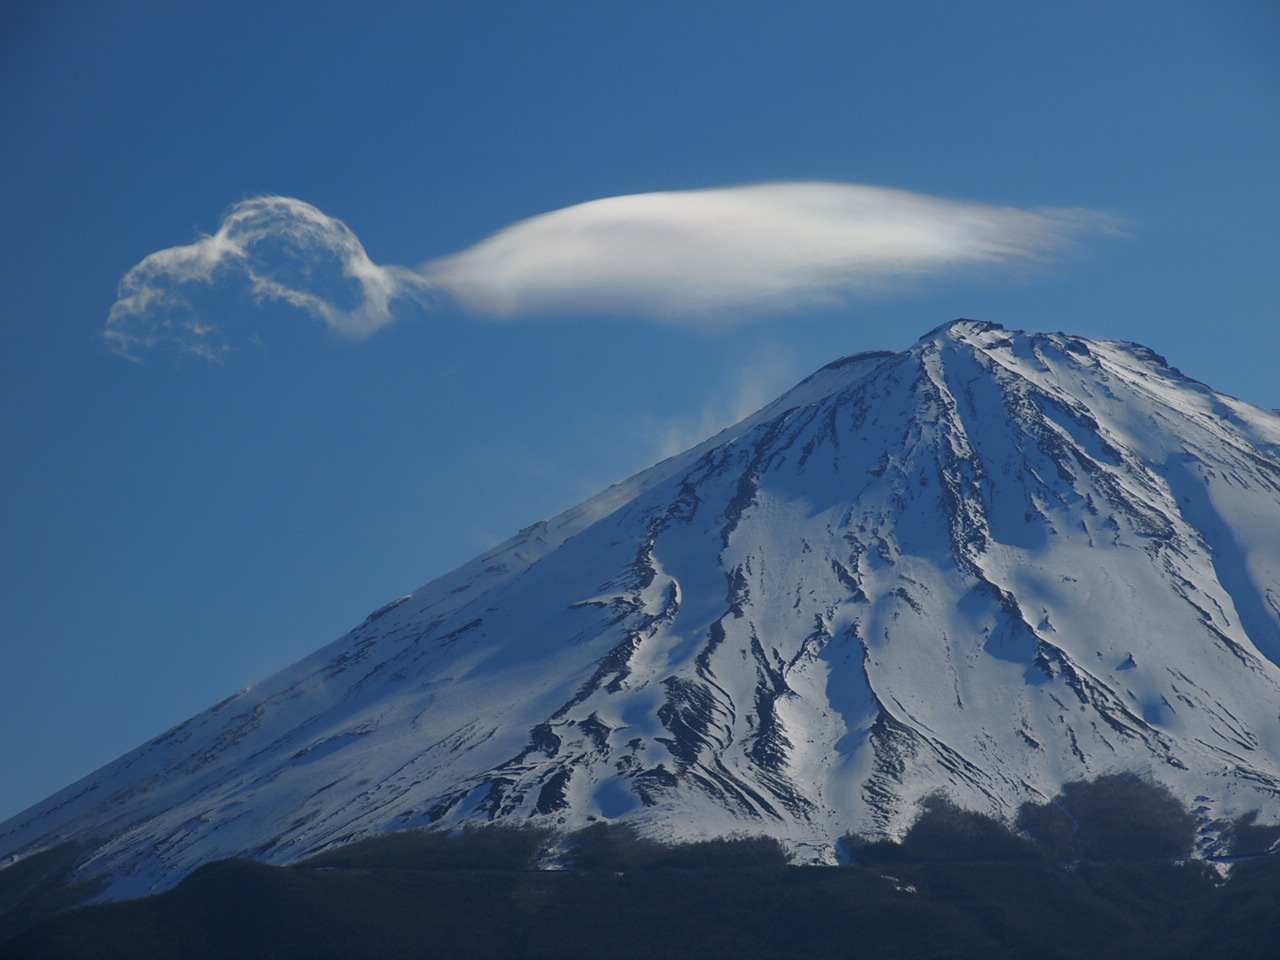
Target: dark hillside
(959,885)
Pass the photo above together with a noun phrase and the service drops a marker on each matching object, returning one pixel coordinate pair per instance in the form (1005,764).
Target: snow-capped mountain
(989,564)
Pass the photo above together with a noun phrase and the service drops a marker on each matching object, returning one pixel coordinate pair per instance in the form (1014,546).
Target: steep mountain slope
(989,564)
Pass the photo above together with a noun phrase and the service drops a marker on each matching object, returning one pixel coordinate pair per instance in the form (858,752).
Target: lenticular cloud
(699,255)
(707,253)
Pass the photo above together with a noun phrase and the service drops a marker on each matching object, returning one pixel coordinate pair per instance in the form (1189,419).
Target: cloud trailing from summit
(717,255)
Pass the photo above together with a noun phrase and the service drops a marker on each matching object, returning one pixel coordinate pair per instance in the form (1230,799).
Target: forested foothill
(1104,870)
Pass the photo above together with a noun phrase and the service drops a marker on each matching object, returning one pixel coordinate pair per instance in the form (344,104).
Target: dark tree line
(1100,871)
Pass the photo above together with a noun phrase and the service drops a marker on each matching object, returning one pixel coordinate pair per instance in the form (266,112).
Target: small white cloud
(281,249)
(700,255)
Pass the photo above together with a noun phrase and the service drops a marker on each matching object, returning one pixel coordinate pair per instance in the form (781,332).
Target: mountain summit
(988,565)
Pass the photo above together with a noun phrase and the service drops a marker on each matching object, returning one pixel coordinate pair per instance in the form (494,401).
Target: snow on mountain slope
(989,564)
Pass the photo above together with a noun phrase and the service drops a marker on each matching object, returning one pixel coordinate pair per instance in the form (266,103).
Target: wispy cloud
(281,249)
(718,255)
(753,382)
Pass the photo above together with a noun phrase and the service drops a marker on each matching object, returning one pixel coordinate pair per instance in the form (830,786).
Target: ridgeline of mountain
(988,565)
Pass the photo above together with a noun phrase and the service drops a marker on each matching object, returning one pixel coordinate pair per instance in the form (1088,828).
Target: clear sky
(174,528)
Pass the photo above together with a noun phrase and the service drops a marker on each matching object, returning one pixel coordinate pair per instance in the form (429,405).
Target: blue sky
(175,528)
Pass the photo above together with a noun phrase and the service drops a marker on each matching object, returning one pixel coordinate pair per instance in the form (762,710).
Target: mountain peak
(960,329)
(985,572)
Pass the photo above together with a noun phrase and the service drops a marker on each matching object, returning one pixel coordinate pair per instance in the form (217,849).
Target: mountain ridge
(986,565)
